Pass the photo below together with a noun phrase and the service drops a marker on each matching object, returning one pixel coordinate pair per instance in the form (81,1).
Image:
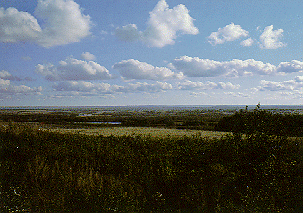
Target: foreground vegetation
(44,171)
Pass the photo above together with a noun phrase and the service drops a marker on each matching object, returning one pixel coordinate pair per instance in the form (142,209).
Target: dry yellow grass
(144,131)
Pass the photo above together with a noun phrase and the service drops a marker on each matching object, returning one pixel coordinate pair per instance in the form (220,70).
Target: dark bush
(261,121)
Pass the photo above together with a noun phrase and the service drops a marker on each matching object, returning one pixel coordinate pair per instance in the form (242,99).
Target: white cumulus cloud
(134,69)
(237,94)
(128,33)
(9,90)
(162,26)
(85,87)
(230,32)
(275,86)
(291,85)
(92,88)
(289,67)
(247,43)
(18,26)
(196,67)
(190,85)
(5,75)
(8,76)
(88,56)
(63,23)
(73,69)
(270,39)
(299,79)
(146,87)
(4,83)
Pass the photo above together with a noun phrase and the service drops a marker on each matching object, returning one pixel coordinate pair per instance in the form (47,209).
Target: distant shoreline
(166,107)
(222,109)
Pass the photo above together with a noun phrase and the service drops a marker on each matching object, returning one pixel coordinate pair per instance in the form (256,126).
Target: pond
(99,122)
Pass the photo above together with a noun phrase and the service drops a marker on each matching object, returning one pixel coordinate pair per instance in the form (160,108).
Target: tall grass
(52,172)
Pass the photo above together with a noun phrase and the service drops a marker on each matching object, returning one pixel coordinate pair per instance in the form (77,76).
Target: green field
(143,131)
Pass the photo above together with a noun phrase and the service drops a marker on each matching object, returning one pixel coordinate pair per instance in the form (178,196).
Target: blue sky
(135,52)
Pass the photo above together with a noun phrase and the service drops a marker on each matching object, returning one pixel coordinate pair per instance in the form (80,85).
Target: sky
(151,52)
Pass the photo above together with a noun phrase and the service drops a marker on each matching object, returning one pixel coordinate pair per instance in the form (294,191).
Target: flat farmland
(143,131)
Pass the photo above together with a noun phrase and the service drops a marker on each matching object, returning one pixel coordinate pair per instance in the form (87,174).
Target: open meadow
(140,131)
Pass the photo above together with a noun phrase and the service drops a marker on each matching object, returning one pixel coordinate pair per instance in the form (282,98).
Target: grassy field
(143,131)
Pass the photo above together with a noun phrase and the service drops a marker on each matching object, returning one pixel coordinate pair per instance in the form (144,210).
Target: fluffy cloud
(88,56)
(247,43)
(289,67)
(133,69)
(270,38)
(189,85)
(85,87)
(4,83)
(146,87)
(299,79)
(89,88)
(128,33)
(292,94)
(73,69)
(196,67)
(162,26)
(237,94)
(63,23)
(230,32)
(18,26)
(275,86)
(198,94)
(7,89)
(7,76)
(291,85)
(228,85)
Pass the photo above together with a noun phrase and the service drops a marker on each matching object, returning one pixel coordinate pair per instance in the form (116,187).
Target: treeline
(44,171)
(262,121)
(50,118)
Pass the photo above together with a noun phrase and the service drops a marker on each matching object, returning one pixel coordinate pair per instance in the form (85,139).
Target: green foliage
(262,122)
(51,172)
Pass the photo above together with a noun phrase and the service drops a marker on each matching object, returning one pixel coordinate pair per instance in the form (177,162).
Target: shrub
(262,122)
